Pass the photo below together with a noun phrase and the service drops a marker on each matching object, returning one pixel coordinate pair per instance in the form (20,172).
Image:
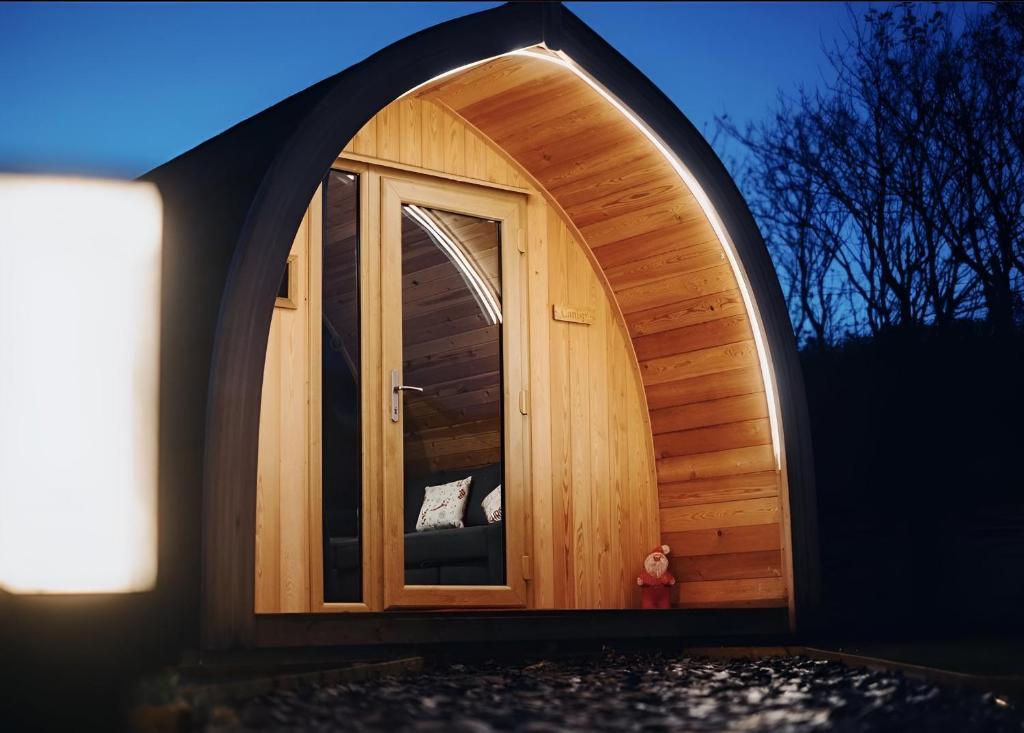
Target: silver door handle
(396,390)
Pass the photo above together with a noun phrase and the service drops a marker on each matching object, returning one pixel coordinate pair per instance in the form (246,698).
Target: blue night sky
(116,89)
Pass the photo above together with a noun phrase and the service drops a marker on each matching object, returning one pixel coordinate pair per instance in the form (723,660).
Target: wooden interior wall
(282,476)
(718,478)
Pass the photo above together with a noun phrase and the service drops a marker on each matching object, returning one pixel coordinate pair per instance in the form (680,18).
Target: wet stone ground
(632,692)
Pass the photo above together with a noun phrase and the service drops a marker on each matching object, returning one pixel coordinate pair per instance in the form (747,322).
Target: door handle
(396,390)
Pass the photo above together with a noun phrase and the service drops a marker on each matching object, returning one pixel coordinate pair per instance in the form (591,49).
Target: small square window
(287,291)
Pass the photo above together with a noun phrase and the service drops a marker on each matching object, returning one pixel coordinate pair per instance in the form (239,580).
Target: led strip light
(482,291)
(693,185)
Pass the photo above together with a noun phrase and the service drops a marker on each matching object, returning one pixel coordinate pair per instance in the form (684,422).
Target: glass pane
(342,474)
(452,430)
(282,289)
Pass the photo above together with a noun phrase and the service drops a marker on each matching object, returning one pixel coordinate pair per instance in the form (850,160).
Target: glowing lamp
(79,360)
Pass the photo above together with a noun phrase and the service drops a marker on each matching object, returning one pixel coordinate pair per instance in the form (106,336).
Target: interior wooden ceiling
(654,245)
(450,348)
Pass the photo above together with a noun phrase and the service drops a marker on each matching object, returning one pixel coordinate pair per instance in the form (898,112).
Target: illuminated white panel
(79,359)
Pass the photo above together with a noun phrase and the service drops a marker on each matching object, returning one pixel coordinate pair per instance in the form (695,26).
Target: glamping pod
(453,338)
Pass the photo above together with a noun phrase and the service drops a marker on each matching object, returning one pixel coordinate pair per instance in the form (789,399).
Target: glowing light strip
(690,181)
(481,288)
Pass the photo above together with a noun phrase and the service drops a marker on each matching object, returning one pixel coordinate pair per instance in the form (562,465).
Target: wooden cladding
(648,411)
(682,308)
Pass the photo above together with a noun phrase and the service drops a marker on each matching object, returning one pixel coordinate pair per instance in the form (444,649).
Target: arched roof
(234,202)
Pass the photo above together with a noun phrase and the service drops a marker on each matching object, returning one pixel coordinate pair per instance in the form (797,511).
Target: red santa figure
(655,580)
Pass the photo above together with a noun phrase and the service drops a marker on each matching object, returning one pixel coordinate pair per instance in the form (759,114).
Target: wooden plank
(314,408)
(750,593)
(643,482)
(496,169)
(685,313)
(541,407)
(492,79)
(568,170)
(475,155)
(712,412)
(609,172)
(734,566)
(732,383)
(411,122)
(584,560)
(720,514)
(678,262)
(649,188)
(454,145)
(553,112)
(690,236)
(294,481)
(683,209)
(268,478)
(601,499)
(365,141)
(720,488)
(726,330)
(563,560)
(724,540)
(620,487)
(389,133)
(719,463)
(699,363)
(715,437)
(670,290)
(573,152)
(432,135)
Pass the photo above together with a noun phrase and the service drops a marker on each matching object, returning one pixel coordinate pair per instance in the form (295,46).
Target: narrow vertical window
(340,387)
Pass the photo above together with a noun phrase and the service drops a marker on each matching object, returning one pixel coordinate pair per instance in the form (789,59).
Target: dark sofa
(470,555)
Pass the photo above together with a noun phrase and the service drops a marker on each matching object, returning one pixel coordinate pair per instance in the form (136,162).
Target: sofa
(470,555)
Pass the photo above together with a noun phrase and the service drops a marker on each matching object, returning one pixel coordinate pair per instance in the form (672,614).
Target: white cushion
(492,505)
(444,505)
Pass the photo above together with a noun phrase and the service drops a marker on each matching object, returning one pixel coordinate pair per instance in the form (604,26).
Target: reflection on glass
(453,435)
(342,485)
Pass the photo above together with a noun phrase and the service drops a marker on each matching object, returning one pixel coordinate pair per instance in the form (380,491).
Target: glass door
(453,347)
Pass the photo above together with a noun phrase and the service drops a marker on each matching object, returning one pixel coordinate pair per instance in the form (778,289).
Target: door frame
(370,500)
(509,209)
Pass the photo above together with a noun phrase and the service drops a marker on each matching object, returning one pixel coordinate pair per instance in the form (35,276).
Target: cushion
(485,478)
(492,505)
(444,506)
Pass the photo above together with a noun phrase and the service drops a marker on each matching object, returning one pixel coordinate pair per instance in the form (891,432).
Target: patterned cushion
(444,505)
(492,505)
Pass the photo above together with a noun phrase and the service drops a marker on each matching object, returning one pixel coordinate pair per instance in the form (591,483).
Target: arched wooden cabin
(505,213)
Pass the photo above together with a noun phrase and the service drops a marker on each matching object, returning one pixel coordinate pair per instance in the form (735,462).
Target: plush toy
(655,580)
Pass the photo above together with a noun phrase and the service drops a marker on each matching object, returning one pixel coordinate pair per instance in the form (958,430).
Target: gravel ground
(633,692)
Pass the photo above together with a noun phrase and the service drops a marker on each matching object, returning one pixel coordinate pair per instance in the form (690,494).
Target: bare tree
(892,197)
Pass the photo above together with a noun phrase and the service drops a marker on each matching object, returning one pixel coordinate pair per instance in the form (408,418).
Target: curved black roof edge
(232,207)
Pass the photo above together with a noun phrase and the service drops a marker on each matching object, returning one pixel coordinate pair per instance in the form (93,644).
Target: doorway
(399,482)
